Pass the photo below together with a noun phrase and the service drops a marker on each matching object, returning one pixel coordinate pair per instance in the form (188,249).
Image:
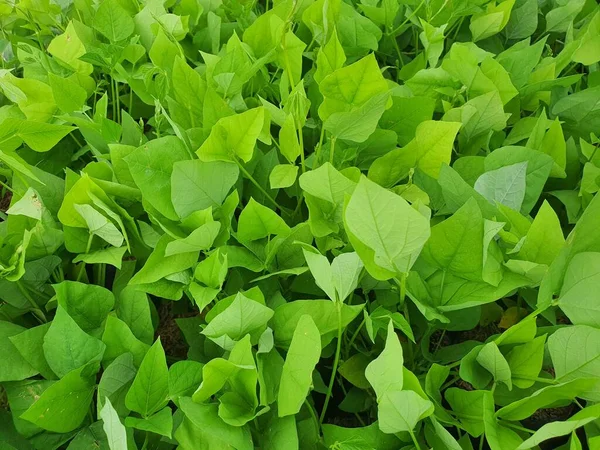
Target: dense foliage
(359,224)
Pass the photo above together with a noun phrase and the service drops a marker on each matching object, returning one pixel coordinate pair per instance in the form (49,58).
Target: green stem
(414,439)
(318,155)
(118,100)
(336,361)
(260,188)
(355,334)
(102,275)
(313,414)
(395,30)
(449,383)
(35,307)
(301,142)
(114,103)
(87,250)
(6,186)
(331,150)
(516,427)
(145,445)
(77,141)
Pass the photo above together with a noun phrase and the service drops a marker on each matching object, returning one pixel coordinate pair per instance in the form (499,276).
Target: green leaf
(241,317)
(577,296)
(29,344)
(257,221)
(494,362)
(234,137)
(67,347)
(546,396)
(88,305)
(197,185)
(574,352)
(385,372)
(429,150)
(456,244)
(505,185)
(150,389)
(302,357)
(115,382)
(492,21)
(330,57)
(68,95)
(205,416)
(133,308)
(525,362)
(323,313)
(63,406)
(114,429)
(151,167)
(386,223)
(41,137)
(119,339)
(17,367)
(401,411)
(544,239)
(351,87)
(113,21)
(555,429)
(283,176)
(159,423)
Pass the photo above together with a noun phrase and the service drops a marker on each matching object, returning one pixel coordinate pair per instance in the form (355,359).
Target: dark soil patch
(438,340)
(5,202)
(547,415)
(171,336)
(478,333)
(4,399)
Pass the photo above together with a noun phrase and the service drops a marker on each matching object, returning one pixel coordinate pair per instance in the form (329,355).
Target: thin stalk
(102,275)
(414,439)
(130,109)
(87,250)
(77,141)
(313,414)
(336,360)
(145,445)
(7,187)
(400,60)
(36,308)
(439,342)
(301,142)
(355,334)
(114,103)
(260,188)
(450,383)
(118,100)
(319,146)
(517,427)
(539,379)
(395,30)
(331,150)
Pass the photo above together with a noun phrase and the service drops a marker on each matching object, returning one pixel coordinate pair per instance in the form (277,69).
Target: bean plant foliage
(300,224)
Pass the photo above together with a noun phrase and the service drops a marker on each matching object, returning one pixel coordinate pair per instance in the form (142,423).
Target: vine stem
(313,414)
(414,439)
(87,250)
(318,155)
(260,188)
(336,361)
(331,150)
(355,334)
(36,308)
